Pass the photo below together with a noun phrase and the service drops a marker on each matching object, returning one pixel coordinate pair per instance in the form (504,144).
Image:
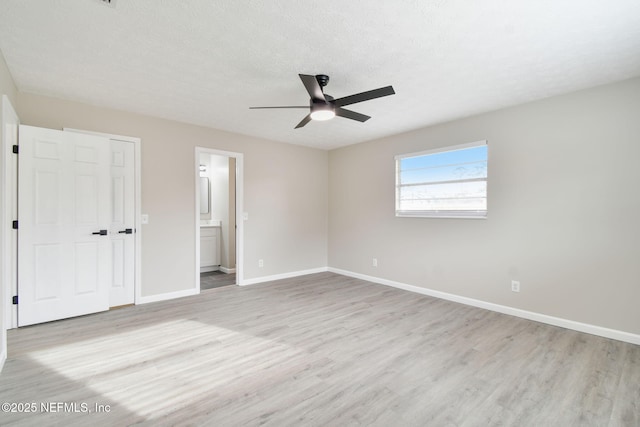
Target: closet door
(122,224)
(64,257)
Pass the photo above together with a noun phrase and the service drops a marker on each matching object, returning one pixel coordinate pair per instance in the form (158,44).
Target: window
(450,182)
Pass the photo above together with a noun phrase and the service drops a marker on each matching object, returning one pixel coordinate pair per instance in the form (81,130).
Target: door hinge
(16,150)
(14,224)
(15,299)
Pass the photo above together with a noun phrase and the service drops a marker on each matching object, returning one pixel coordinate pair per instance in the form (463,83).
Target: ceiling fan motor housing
(328,101)
(323,79)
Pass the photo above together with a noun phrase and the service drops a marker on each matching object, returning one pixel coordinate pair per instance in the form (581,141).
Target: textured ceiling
(205,62)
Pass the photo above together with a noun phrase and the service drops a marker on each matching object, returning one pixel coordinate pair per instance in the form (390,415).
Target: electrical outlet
(515,286)
(260,263)
(375,262)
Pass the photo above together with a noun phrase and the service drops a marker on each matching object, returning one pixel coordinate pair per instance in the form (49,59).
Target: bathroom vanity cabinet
(209,248)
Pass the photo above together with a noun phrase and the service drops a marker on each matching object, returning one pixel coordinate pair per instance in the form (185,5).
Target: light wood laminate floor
(216,279)
(318,350)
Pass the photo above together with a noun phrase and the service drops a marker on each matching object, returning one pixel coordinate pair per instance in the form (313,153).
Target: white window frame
(476,214)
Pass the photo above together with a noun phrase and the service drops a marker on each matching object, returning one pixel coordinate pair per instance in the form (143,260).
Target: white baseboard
(3,358)
(282,276)
(167,296)
(530,315)
(226,270)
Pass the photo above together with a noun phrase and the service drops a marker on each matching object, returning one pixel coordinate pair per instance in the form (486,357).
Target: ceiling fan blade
(365,96)
(343,112)
(304,121)
(312,86)
(288,106)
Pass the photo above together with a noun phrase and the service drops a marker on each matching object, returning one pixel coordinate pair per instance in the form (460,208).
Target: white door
(64,261)
(122,224)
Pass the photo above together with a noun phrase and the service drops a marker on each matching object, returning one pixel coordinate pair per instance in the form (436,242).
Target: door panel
(87,267)
(117,186)
(46,197)
(47,262)
(122,192)
(118,278)
(86,208)
(64,269)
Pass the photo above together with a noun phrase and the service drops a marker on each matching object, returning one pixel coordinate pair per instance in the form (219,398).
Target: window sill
(441,216)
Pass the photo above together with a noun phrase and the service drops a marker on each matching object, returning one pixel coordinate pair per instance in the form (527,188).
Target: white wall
(285,192)
(563,210)
(7,86)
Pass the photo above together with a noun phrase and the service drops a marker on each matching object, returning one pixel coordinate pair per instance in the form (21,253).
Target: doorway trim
(8,212)
(239,209)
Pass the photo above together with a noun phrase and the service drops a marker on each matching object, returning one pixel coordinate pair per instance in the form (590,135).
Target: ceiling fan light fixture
(322,112)
(322,115)
(323,107)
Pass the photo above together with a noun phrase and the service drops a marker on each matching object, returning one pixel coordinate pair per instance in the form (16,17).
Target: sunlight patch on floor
(155,370)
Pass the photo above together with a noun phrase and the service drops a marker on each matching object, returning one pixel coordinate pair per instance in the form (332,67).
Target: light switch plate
(145,219)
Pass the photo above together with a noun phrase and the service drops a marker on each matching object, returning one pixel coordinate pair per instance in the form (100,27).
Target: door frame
(8,208)
(137,174)
(239,210)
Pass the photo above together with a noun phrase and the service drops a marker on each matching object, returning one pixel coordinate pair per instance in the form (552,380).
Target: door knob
(126,231)
(101,232)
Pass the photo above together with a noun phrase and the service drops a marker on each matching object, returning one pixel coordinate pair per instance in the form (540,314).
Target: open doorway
(218,223)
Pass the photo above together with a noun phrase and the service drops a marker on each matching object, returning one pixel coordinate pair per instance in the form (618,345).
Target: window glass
(450,182)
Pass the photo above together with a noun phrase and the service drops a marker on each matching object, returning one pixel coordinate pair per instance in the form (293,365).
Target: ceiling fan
(324,107)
